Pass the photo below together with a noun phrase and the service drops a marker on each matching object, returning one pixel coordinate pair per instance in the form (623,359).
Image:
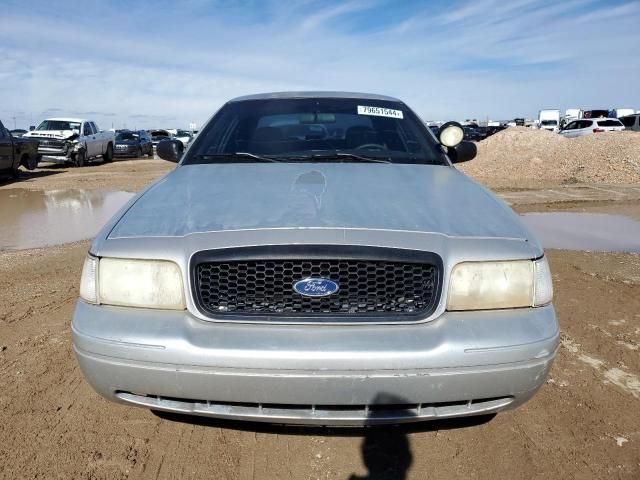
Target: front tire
(108,155)
(31,161)
(80,159)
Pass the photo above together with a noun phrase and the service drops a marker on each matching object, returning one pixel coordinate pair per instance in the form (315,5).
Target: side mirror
(32,128)
(463,152)
(170,150)
(450,134)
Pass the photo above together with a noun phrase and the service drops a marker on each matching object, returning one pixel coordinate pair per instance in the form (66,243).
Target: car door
(89,139)
(6,149)
(101,145)
(581,128)
(569,130)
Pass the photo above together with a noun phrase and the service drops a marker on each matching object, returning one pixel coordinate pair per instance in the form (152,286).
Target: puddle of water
(585,231)
(30,219)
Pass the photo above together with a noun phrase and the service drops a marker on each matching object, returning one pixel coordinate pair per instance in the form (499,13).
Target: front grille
(379,282)
(51,143)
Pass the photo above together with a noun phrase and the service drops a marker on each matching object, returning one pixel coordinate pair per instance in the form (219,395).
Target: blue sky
(166,63)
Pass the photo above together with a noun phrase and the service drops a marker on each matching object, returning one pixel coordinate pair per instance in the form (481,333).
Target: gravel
(521,157)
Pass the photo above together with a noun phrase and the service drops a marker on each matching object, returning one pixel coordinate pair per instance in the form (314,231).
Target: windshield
(183,133)
(126,136)
(609,123)
(58,125)
(304,129)
(549,122)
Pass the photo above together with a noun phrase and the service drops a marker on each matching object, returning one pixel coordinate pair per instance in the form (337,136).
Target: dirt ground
(127,175)
(584,423)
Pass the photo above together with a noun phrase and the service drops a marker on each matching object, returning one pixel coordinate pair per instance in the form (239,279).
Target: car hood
(223,197)
(58,134)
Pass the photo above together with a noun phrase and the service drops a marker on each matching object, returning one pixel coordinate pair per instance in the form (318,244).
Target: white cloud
(481,58)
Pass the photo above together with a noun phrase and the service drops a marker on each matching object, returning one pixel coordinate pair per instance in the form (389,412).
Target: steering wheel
(371,146)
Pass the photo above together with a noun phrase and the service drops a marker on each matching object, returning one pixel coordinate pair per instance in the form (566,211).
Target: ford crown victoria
(316,258)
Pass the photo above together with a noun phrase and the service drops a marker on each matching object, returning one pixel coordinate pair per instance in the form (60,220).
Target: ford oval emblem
(316,287)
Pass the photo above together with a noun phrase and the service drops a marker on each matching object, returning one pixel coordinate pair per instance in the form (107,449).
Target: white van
(549,120)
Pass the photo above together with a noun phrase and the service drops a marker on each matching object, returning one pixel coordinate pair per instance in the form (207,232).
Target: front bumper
(459,364)
(125,152)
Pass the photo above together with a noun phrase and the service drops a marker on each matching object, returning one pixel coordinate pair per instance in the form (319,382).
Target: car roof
(320,94)
(595,119)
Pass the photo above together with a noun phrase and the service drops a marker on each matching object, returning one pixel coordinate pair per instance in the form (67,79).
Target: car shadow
(385,449)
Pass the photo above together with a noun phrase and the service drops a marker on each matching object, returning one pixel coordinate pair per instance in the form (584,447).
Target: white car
(587,126)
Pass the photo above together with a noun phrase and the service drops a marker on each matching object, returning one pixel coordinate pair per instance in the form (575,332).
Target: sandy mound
(520,157)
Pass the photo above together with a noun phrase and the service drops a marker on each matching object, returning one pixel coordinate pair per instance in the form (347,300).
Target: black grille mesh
(50,143)
(266,287)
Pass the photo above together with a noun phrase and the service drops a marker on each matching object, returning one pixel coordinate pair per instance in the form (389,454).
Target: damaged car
(316,258)
(72,140)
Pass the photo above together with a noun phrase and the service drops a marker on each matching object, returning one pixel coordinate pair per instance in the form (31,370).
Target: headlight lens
(132,283)
(494,285)
(140,283)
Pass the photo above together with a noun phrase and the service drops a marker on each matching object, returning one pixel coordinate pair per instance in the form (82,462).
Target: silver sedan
(315,258)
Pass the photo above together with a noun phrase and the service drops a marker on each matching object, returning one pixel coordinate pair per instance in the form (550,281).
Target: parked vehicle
(620,112)
(519,122)
(493,129)
(16,151)
(158,135)
(587,126)
(72,140)
(471,134)
(601,113)
(315,258)
(18,132)
(549,120)
(133,144)
(184,136)
(631,122)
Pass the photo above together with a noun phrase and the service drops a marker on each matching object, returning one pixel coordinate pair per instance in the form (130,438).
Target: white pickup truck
(72,140)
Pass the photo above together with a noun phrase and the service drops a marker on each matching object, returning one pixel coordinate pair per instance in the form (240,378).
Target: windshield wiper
(337,156)
(234,156)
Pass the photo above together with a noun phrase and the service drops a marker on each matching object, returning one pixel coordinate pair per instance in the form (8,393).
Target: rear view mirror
(170,150)
(463,152)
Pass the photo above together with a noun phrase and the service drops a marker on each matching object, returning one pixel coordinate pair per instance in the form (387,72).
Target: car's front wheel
(80,159)
(30,162)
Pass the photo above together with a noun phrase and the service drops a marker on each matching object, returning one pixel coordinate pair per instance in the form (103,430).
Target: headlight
(132,283)
(493,285)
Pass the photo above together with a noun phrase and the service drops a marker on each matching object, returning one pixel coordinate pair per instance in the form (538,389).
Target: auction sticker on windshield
(379,112)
